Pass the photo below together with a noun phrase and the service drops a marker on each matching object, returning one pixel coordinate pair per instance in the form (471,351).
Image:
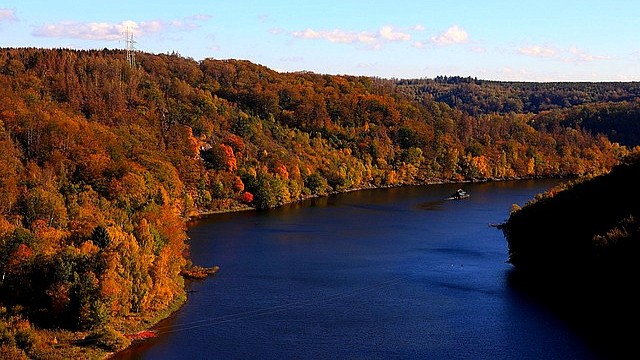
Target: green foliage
(316,184)
(109,339)
(484,97)
(269,191)
(100,237)
(25,339)
(6,336)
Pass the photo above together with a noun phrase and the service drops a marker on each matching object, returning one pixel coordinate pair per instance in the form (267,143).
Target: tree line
(477,97)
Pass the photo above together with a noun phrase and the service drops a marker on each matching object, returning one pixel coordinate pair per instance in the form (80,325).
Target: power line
(130,48)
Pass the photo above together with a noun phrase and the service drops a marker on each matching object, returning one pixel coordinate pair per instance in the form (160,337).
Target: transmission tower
(129,45)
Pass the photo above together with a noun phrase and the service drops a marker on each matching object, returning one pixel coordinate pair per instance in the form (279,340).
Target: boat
(459,194)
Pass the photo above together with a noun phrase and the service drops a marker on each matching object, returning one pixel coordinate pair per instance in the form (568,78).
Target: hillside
(576,250)
(608,108)
(477,97)
(102,164)
(593,223)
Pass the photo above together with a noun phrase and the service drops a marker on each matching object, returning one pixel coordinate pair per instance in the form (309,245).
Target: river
(395,273)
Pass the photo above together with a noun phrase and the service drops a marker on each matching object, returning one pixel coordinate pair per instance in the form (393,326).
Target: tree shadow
(599,306)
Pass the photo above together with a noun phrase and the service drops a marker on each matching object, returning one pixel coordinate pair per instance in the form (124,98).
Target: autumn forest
(102,165)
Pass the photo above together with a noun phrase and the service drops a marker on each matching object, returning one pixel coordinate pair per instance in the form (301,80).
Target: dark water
(381,274)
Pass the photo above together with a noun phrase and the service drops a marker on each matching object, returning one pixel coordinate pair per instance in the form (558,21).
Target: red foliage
(231,162)
(247,197)
(19,256)
(235,142)
(142,335)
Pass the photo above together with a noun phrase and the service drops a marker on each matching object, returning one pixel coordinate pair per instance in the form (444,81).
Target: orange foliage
(281,169)
(50,239)
(231,162)
(5,227)
(88,248)
(235,142)
(247,197)
(238,185)
(20,256)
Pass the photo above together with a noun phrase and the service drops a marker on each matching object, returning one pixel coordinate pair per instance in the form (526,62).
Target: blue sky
(504,40)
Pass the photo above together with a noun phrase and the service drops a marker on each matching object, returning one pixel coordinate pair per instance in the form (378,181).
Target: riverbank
(575,251)
(203,215)
(345,277)
(146,325)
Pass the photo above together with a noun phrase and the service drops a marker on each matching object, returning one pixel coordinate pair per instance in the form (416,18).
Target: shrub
(109,339)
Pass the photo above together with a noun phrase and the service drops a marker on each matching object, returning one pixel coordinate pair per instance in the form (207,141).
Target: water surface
(377,274)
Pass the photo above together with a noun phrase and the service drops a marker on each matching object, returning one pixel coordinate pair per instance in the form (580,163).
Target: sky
(516,40)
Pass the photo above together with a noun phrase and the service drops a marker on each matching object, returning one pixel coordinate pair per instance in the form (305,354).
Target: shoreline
(200,215)
(193,219)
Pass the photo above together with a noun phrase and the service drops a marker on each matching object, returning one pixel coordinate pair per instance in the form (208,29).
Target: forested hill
(611,109)
(576,250)
(102,163)
(591,223)
(477,97)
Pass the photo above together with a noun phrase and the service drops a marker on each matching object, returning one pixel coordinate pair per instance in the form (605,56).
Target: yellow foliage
(5,226)
(50,239)
(88,248)
(481,165)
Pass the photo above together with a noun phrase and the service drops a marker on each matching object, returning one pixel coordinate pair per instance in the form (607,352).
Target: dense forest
(590,223)
(102,164)
(576,248)
(477,97)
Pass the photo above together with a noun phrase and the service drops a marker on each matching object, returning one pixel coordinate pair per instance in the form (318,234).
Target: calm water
(381,274)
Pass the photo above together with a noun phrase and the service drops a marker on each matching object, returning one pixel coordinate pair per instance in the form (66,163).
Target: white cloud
(572,55)
(388,33)
(419,45)
(418,27)
(580,56)
(374,40)
(307,34)
(199,17)
(336,36)
(511,74)
(453,35)
(626,77)
(538,51)
(110,31)
(8,15)
(87,31)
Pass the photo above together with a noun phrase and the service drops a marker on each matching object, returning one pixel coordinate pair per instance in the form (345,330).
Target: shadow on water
(392,273)
(600,307)
(435,205)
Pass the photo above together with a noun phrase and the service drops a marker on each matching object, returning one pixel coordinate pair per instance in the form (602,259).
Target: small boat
(459,194)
